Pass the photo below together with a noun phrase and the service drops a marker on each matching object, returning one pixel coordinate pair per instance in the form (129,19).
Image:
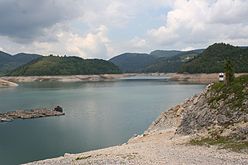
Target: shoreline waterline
(182,77)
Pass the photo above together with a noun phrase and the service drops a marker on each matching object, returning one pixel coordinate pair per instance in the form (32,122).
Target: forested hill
(9,62)
(138,62)
(212,59)
(54,65)
(172,64)
(133,62)
(156,61)
(165,53)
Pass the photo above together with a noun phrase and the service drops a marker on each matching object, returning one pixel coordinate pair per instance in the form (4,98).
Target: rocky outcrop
(207,114)
(58,109)
(167,120)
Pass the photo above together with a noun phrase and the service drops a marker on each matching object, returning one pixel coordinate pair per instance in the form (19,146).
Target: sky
(106,28)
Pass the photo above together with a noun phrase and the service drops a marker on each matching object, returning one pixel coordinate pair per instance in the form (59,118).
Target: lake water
(98,114)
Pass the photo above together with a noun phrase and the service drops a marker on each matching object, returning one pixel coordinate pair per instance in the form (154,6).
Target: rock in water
(58,109)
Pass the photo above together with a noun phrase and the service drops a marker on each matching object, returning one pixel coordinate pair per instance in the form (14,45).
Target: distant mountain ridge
(9,62)
(173,63)
(156,61)
(210,60)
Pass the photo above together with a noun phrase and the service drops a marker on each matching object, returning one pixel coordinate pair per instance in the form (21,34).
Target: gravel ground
(160,147)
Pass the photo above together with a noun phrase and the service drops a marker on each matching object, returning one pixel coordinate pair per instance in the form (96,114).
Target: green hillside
(156,61)
(213,58)
(53,65)
(210,60)
(137,62)
(133,62)
(165,53)
(172,64)
(9,62)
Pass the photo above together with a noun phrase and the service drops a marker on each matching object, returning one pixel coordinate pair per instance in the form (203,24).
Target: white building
(221,77)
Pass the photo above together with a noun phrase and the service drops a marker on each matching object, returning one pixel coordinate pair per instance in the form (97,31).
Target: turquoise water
(98,114)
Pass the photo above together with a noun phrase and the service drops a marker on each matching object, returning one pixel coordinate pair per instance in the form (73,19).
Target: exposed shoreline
(6,83)
(72,78)
(160,144)
(190,78)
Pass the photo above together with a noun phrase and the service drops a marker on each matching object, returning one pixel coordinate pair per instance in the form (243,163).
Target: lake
(98,114)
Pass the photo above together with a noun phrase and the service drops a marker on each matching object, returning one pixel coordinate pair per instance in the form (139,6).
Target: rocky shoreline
(167,140)
(72,78)
(28,114)
(155,148)
(5,83)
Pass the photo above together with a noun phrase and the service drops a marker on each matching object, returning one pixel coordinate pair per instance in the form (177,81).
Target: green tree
(229,72)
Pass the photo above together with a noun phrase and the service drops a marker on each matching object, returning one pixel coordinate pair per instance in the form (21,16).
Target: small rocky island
(30,114)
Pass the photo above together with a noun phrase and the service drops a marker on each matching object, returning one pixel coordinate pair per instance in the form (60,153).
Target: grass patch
(223,143)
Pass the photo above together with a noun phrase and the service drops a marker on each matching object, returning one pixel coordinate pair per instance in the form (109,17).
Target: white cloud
(24,21)
(95,44)
(229,12)
(138,43)
(98,28)
(107,12)
(92,45)
(194,22)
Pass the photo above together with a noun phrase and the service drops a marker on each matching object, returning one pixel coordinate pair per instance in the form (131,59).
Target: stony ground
(160,147)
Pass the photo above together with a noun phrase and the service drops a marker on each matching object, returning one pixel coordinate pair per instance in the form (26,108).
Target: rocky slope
(219,111)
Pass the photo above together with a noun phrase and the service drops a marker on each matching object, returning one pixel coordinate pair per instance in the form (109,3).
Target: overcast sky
(105,28)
